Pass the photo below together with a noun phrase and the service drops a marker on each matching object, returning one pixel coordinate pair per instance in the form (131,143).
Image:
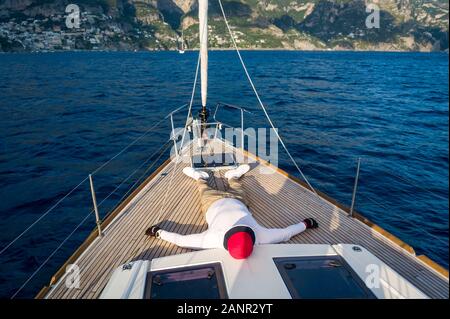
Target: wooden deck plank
(118,228)
(183,217)
(128,238)
(348,226)
(275,200)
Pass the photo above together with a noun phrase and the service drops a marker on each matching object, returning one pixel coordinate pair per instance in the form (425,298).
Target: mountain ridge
(405,25)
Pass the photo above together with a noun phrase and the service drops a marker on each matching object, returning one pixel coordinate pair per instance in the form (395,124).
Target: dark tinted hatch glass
(203,282)
(321,278)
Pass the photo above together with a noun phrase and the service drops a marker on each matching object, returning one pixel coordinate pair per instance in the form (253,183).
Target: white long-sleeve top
(223,215)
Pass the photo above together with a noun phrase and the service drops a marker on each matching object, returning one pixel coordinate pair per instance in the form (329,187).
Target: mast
(182,39)
(203,32)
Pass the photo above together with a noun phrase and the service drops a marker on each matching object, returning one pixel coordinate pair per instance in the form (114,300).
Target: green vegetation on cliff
(302,24)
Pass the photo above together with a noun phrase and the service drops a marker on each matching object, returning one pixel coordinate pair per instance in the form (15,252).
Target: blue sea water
(64,114)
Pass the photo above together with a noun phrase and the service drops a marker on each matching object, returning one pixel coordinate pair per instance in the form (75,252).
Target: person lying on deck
(230,223)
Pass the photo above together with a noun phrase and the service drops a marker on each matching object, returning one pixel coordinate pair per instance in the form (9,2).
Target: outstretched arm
(194,241)
(278,235)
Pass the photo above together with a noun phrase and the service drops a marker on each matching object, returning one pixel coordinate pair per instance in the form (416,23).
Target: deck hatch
(323,277)
(214,161)
(199,282)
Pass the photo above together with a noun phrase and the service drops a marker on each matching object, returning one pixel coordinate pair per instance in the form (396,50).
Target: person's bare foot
(195,174)
(237,172)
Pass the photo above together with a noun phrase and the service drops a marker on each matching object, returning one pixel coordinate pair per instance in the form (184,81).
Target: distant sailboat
(181,50)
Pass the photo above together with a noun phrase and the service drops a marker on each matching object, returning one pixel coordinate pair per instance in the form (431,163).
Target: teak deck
(276,200)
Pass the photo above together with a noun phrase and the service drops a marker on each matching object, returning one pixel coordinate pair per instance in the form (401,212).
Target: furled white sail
(203,25)
(182,40)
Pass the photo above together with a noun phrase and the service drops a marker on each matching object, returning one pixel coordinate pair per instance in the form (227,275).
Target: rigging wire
(172,172)
(404,220)
(191,101)
(136,170)
(84,220)
(41,217)
(143,174)
(128,146)
(51,255)
(96,171)
(259,99)
(395,215)
(406,180)
(76,187)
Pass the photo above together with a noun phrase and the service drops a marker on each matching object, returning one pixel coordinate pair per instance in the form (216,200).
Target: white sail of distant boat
(181,50)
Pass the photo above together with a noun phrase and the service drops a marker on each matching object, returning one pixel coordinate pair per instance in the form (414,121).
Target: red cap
(240,245)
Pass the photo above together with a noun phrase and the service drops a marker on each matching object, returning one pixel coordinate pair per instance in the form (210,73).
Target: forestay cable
(259,99)
(191,102)
(172,172)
